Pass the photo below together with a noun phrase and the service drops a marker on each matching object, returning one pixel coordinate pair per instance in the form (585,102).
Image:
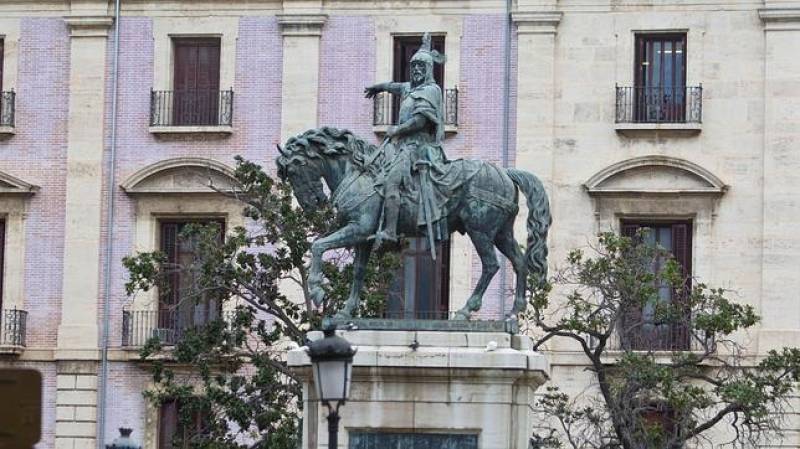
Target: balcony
(191,111)
(139,326)
(662,108)
(12,331)
(386,107)
(659,338)
(7,100)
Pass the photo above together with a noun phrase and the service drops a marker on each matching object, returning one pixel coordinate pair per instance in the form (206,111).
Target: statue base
(431,389)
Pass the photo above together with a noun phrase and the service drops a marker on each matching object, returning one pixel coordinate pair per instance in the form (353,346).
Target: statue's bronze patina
(407,186)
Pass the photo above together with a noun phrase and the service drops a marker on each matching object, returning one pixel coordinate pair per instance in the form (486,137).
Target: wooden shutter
(2,52)
(167,424)
(2,257)
(196,82)
(169,298)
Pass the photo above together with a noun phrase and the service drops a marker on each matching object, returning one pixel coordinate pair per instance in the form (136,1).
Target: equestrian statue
(407,186)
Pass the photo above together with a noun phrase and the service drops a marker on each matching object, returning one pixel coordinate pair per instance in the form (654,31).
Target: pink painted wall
(37,154)
(257,95)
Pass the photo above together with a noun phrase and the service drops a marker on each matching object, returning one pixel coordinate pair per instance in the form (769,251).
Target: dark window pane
(196,81)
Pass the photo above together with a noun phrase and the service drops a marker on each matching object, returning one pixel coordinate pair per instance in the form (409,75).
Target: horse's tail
(539,220)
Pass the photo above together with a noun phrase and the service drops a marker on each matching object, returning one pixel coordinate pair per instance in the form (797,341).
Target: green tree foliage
(666,371)
(230,376)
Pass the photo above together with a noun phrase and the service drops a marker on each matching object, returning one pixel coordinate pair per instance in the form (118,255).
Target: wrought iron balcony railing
(13,324)
(7,100)
(677,104)
(195,107)
(386,108)
(139,326)
(662,337)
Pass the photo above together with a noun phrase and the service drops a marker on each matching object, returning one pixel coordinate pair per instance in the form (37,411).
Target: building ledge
(178,130)
(380,130)
(11,349)
(642,128)
(6,131)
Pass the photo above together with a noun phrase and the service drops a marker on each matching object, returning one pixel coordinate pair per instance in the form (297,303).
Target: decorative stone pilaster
(781,247)
(475,389)
(300,87)
(535,126)
(78,331)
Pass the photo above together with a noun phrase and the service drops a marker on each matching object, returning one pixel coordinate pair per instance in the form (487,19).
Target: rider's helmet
(428,57)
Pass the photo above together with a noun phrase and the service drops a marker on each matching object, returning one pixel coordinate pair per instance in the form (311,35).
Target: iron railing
(13,323)
(386,108)
(661,337)
(662,104)
(7,100)
(195,107)
(139,326)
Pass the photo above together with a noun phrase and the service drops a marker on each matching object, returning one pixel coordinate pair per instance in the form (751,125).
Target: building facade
(678,115)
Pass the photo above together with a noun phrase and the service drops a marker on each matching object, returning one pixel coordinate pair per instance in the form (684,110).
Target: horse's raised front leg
(485,248)
(350,235)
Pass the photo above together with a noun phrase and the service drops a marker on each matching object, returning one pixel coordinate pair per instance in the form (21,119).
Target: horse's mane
(327,141)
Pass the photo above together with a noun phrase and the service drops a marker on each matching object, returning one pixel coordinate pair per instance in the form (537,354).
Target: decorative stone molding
(180,130)
(15,186)
(655,175)
(89,26)
(539,22)
(780,19)
(180,175)
(302,24)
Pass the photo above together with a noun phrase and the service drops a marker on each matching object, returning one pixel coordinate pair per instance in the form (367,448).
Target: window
(172,426)
(2,52)
(2,251)
(660,78)
(404,49)
(176,311)
(196,94)
(641,332)
(421,288)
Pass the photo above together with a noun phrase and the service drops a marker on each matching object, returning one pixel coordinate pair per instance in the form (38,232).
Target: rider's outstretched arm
(392,87)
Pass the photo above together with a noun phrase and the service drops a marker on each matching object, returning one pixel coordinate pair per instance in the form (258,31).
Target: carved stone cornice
(536,22)
(89,26)
(780,18)
(302,24)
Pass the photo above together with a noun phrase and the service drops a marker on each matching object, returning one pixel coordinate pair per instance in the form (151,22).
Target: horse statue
(481,202)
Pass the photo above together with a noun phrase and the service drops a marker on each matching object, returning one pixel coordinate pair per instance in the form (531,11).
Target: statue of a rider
(415,144)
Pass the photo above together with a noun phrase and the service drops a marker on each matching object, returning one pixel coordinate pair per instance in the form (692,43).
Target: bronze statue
(407,186)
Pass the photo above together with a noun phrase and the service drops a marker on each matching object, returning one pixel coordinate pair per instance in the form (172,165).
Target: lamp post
(124,441)
(332,363)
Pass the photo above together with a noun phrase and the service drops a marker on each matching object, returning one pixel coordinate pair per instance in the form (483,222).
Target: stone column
(536,36)
(300,84)
(781,245)
(78,331)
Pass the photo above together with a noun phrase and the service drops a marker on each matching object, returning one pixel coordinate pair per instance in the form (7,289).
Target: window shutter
(169,298)
(2,251)
(2,52)
(167,424)
(681,246)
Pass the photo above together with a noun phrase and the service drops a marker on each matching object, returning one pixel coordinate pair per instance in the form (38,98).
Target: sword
(426,207)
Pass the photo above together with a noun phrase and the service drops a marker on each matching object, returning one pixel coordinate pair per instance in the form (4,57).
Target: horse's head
(317,154)
(304,174)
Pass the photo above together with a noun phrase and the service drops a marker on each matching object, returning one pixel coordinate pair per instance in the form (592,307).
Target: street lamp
(332,363)
(124,441)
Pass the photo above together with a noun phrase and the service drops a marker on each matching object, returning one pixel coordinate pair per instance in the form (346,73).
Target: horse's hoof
(342,315)
(461,316)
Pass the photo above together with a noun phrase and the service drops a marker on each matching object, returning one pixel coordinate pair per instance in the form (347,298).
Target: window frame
(166,442)
(677,338)
(2,259)
(667,102)
(196,106)
(173,306)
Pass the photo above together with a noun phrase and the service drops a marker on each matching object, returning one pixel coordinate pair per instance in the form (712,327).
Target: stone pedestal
(474,389)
